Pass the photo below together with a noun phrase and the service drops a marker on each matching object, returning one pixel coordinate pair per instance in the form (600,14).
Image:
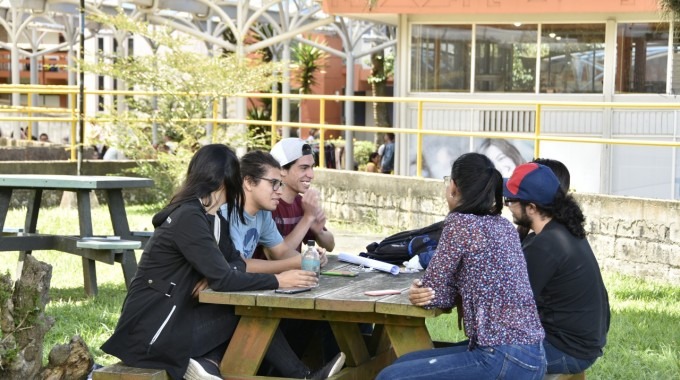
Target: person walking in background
(44,137)
(572,300)
(479,261)
(373,163)
(162,324)
(387,161)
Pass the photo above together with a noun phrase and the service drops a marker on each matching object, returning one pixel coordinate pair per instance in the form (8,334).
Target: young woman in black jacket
(162,324)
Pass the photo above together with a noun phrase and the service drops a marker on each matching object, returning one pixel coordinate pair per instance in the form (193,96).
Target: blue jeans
(498,362)
(559,362)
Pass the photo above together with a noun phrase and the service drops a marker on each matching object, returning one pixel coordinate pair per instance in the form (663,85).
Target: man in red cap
(565,277)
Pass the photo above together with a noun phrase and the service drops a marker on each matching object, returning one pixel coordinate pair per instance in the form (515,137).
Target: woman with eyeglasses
(262,186)
(478,265)
(162,324)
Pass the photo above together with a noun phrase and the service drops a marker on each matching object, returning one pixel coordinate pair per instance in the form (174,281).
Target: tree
(189,83)
(382,68)
(310,59)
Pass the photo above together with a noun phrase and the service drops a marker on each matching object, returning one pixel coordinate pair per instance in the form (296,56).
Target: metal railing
(28,113)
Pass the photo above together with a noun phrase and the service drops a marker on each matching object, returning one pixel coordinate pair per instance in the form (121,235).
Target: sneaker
(202,369)
(331,368)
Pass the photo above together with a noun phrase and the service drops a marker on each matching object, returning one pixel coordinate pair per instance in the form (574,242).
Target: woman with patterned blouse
(479,261)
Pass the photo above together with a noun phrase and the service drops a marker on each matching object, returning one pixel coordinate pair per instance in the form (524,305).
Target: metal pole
(81,101)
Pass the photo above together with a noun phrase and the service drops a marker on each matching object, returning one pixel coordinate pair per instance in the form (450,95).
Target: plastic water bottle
(310,259)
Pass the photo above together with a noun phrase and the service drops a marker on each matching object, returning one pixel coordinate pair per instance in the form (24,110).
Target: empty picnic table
(109,250)
(399,325)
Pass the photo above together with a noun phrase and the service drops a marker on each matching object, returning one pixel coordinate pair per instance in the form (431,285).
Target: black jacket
(154,329)
(571,298)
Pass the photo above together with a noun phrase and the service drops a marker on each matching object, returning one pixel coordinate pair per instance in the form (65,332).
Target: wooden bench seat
(115,245)
(120,371)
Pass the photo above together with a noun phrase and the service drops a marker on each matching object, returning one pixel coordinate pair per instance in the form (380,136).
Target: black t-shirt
(571,298)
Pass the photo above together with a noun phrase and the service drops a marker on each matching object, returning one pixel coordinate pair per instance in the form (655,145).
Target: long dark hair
(254,165)
(566,211)
(213,166)
(479,183)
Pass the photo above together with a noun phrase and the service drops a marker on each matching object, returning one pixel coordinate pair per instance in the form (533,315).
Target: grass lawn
(643,341)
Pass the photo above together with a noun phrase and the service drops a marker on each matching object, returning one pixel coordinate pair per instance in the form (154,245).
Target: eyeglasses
(447,179)
(276,183)
(509,201)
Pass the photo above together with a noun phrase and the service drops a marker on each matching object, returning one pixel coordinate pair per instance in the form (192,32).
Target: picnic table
(399,326)
(109,249)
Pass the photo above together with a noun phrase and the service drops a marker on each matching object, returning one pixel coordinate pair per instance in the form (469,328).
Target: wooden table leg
(121,228)
(85,221)
(351,342)
(407,339)
(248,345)
(30,224)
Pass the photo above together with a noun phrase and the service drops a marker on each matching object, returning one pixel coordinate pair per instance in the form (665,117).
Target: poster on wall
(439,153)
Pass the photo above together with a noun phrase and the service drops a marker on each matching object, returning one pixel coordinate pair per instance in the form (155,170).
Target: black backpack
(402,246)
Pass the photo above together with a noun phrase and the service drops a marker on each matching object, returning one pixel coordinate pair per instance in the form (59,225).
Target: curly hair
(566,210)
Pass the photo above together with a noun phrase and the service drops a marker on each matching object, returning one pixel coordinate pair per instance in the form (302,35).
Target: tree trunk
(24,323)
(378,86)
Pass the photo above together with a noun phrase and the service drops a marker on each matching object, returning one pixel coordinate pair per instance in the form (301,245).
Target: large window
(572,58)
(440,58)
(641,58)
(505,58)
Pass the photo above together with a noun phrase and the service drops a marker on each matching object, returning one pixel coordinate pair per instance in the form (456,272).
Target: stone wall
(634,236)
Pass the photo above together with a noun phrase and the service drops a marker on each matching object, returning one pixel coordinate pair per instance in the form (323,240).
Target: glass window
(440,58)
(572,58)
(505,58)
(641,58)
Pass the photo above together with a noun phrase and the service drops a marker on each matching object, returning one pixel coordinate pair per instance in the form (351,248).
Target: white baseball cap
(290,149)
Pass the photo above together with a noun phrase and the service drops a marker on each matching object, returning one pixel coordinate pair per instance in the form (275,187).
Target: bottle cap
(311,243)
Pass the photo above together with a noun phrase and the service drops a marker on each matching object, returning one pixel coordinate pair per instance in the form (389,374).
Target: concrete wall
(634,236)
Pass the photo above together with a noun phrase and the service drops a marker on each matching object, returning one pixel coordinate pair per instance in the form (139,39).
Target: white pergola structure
(204,20)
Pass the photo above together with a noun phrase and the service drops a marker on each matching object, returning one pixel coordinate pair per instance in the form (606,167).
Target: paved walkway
(352,241)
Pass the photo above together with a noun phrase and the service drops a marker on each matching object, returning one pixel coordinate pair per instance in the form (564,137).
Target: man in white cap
(299,216)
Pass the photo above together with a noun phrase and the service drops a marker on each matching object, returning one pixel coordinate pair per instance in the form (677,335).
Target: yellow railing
(26,114)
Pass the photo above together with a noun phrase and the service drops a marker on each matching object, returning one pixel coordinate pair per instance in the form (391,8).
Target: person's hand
(200,286)
(418,295)
(319,222)
(310,203)
(297,278)
(323,259)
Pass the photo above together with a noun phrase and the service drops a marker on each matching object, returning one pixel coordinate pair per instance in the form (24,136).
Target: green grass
(643,341)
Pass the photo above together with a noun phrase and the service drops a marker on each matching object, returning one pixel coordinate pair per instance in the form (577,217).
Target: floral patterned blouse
(480,258)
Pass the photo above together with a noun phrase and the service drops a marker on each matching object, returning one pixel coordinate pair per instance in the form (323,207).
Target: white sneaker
(196,371)
(331,368)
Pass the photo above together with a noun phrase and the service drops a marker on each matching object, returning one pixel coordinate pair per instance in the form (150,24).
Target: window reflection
(505,58)
(572,58)
(641,58)
(440,57)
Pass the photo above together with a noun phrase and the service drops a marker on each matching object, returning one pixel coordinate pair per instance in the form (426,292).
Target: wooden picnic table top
(41,181)
(399,326)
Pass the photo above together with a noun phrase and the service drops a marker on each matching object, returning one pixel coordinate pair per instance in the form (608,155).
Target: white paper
(375,264)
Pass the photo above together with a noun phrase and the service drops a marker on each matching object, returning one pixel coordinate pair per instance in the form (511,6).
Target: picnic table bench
(110,250)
